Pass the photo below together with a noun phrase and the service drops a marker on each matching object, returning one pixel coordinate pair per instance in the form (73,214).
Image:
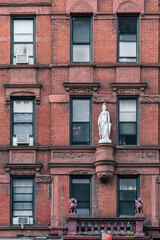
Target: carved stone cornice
(23,169)
(128,88)
(155,99)
(81,88)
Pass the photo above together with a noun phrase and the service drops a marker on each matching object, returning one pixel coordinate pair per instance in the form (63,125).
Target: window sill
(81,64)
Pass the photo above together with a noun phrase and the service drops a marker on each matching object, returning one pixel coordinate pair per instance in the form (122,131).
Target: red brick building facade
(60,60)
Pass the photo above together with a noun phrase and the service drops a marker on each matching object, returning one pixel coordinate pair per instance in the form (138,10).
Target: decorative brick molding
(81,88)
(70,155)
(22,90)
(81,6)
(128,6)
(107,98)
(128,88)
(155,99)
(44,179)
(23,169)
(128,172)
(81,172)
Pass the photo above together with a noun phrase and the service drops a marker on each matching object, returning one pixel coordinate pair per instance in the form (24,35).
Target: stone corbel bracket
(105,163)
(133,89)
(22,169)
(22,90)
(81,88)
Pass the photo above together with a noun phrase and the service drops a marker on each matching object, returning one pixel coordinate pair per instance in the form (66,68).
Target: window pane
(127,117)
(22,190)
(81,53)
(23,30)
(20,49)
(22,106)
(81,109)
(128,128)
(128,37)
(22,213)
(127,110)
(128,184)
(127,105)
(80,180)
(22,129)
(127,49)
(81,192)
(128,25)
(130,60)
(26,117)
(127,195)
(127,209)
(22,182)
(81,31)
(22,205)
(128,139)
(81,133)
(22,197)
(83,212)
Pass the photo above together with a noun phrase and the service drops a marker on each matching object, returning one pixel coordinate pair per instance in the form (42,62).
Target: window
(128,191)
(23,40)
(80,121)
(80,189)
(22,122)
(81,39)
(127,121)
(22,199)
(127,39)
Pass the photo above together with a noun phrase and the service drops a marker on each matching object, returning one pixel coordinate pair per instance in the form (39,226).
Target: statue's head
(104,108)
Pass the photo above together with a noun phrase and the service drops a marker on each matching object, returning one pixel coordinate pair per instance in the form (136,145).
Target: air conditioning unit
(22,139)
(22,59)
(23,221)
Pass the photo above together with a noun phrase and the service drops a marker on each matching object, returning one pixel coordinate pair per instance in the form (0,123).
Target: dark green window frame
(130,38)
(123,139)
(82,124)
(82,193)
(16,198)
(13,122)
(85,43)
(25,18)
(126,198)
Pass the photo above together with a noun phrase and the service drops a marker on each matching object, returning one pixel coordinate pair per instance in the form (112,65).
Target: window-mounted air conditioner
(22,59)
(22,139)
(23,221)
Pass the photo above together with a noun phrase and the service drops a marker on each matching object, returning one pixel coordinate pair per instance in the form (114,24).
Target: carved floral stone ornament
(104,125)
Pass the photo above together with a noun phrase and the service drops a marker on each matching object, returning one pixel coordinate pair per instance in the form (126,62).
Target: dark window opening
(23,41)
(80,189)
(81,121)
(128,191)
(22,200)
(81,39)
(127,39)
(127,121)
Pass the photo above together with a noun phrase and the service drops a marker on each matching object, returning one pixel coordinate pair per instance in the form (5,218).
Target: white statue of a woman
(104,125)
